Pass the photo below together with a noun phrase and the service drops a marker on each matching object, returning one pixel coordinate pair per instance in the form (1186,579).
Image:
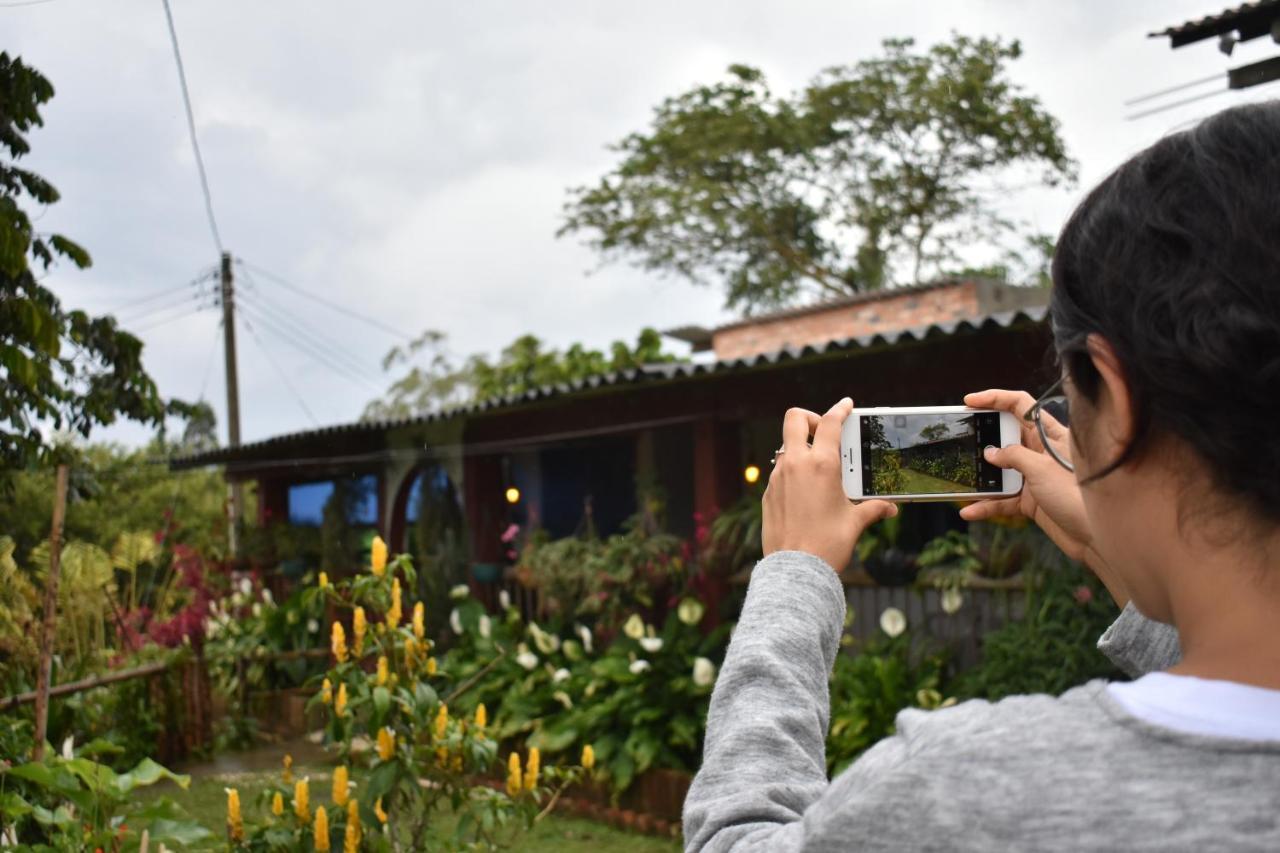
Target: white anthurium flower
(634,626)
(267,598)
(246,587)
(485,627)
(313,627)
(893,621)
(639,666)
(572,650)
(952,599)
(560,675)
(690,611)
(504,599)
(237,599)
(563,698)
(69,747)
(257,609)
(546,643)
(291,617)
(704,672)
(585,633)
(455,621)
(651,644)
(526,658)
(211,628)
(459,592)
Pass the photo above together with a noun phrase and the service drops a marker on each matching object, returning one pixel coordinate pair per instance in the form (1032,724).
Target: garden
(315,700)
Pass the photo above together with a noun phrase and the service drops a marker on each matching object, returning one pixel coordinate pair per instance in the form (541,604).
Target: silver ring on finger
(776,454)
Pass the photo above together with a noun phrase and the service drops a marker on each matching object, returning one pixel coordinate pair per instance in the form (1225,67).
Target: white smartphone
(926,454)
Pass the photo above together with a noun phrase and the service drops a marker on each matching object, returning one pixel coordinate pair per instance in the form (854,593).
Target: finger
(797,426)
(1017,403)
(868,513)
(1024,460)
(983,510)
(827,437)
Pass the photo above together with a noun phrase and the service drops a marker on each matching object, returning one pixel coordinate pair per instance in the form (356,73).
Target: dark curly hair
(1174,259)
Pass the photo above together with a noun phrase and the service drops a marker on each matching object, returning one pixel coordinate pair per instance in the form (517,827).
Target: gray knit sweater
(1075,772)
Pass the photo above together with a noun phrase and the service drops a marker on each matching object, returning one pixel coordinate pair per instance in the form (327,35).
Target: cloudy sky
(409,159)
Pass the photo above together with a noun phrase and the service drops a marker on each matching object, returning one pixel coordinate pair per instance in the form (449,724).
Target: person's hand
(805,507)
(1050,494)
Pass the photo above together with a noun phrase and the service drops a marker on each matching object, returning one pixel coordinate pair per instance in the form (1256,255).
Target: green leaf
(181,833)
(381,704)
(148,772)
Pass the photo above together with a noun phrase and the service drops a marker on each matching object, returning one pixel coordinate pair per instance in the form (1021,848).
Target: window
(308,500)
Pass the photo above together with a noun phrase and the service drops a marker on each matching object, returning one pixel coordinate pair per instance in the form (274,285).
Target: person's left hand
(805,507)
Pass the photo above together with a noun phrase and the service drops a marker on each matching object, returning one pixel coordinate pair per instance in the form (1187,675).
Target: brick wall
(892,312)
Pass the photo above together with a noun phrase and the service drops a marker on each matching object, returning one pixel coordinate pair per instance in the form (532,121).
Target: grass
(918,483)
(206,801)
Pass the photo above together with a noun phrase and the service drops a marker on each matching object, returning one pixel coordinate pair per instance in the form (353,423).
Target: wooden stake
(50,613)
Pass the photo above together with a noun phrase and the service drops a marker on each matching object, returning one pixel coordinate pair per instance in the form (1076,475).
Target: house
(561,456)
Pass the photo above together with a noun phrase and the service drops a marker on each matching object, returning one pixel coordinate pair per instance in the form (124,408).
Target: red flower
(1083,595)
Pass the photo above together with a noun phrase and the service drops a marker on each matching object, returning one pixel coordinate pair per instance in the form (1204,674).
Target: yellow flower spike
(378,557)
(514,778)
(442,721)
(235,825)
(353,813)
(382,671)
(341,786)
(326,692)
(386,744)
(410,653)
(277,804)
(377,810)
(340,704)
(359,626)
(482,716)
(394,614)
(287,773)
(588,757)
(320,830)
(338,642)
(457,763)
(531,769)
(351,838)
(419,620)
(301,798)
(431,666)
(323,581)
(442,757)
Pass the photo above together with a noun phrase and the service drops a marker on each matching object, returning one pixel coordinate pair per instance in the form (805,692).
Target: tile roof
(649,374)
(1251,19)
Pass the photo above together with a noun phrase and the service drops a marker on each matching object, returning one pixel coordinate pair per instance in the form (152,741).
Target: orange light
(513,495)
(751,473)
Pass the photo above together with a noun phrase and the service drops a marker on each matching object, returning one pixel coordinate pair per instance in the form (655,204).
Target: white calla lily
(704,672)
(893,621)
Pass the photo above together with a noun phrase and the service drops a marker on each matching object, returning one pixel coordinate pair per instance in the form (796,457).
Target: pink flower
(510,533)
(1083,595)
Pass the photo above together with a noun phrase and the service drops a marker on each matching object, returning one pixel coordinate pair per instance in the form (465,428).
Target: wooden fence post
(50,614)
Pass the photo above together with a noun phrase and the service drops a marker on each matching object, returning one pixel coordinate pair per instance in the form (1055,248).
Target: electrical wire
(308,343)
(307,348)
(342,309)
(151,297)
(150,311)
(183,312)
(283,377)
(15,5)
(208,365)
(295,322)
(191,128)
(1176,104)
(1178,88)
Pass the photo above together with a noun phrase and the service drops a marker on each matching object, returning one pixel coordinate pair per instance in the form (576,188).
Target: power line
(1177,104)
(318,342)
(1169,91)
(191,128)
(283,378)
(154,295)
(293,321)
(208,365)
(307,348)
(152,310)
(342,309)
(24,3)
(183,312)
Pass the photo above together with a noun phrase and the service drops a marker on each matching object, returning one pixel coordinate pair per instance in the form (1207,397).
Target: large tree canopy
(877,173)
(58,366)
(435,380)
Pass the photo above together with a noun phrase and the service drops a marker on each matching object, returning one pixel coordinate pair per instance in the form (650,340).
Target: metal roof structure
(648,375)
(1249,20)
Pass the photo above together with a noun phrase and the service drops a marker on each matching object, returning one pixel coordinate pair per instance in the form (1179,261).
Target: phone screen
(929,453)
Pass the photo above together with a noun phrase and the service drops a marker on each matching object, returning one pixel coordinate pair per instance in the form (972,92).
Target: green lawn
(919,483)
(206,800)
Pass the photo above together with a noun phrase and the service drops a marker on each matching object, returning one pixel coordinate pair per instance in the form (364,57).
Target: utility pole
(235,504)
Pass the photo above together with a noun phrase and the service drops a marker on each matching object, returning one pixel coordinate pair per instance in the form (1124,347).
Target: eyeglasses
(1053,433)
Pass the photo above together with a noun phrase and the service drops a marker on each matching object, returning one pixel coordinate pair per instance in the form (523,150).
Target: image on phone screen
(929,454)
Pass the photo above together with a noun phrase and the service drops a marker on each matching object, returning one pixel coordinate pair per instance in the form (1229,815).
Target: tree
(440,382)
(877,173)
(61,367)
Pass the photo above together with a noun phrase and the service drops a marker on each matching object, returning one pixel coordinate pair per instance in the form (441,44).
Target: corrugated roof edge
(1214,22)
(648,373)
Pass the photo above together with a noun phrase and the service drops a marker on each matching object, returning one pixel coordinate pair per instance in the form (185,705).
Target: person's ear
(1112,428)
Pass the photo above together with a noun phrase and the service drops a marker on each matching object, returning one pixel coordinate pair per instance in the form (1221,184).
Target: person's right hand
(1050,494)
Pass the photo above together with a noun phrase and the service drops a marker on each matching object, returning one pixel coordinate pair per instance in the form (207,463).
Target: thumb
(868,513)
(1022,459)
